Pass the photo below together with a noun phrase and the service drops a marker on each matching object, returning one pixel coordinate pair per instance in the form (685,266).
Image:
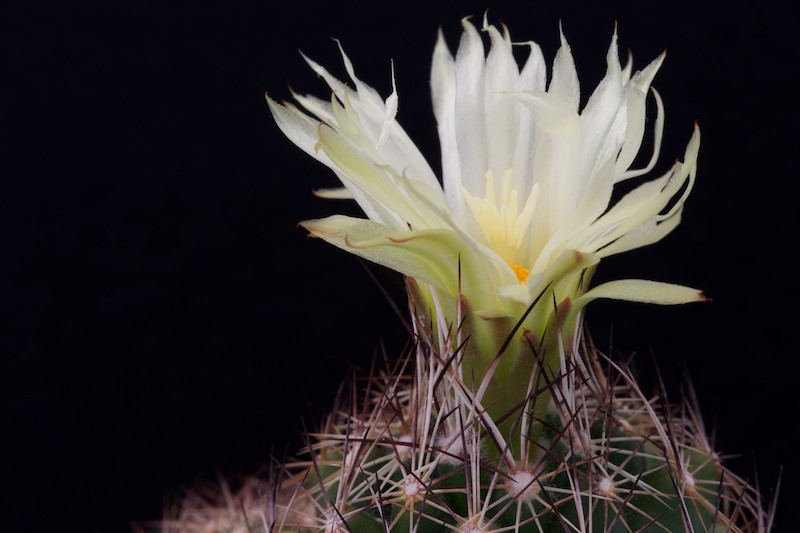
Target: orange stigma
(521,272)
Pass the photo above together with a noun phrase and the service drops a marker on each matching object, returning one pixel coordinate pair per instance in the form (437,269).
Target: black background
(163,318)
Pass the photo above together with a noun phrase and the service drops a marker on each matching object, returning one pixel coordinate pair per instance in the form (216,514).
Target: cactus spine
(408,447)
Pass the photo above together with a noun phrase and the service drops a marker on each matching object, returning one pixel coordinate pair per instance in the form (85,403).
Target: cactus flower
(500,417)
(525,208)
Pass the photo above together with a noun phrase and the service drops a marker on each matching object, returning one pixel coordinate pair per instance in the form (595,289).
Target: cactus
(501,415)
(409,448)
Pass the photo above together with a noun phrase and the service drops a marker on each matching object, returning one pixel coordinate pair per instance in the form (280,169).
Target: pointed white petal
(646,234)
(604,119)
(637,93)
(432,256)
(552,113)
(367,96)
(298,128)
(391,112)
(556,160)
(370,122)
(470,119)
(643,206)
(315,106)
(644,291)
(336,86)
(339,193)
(443,93)
(394,197)
(501,109)
(565,78)
(532,78)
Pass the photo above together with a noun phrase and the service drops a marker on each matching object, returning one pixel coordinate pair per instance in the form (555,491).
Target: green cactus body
(415,454)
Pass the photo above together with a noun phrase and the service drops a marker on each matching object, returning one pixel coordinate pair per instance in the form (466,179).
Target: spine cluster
(409,448)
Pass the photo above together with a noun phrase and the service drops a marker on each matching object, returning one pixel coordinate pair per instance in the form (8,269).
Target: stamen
(502,224)
(521,272)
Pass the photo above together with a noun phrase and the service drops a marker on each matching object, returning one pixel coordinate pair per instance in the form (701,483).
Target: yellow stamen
(521,272)
(504,225)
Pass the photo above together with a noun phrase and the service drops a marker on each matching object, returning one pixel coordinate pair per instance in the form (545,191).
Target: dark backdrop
(162,318)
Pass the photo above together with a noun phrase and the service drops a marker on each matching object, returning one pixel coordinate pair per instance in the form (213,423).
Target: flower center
(502,222)
(521,272)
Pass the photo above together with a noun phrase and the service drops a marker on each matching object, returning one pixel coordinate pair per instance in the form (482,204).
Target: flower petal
(560,277)
(556,159)
(603,120)
(564,82)
(297,126)
(337,193)
(366,117)
(470,118)
(500,109)
(431,256)
(397,200)
(642,207)
(644,291)
(532,78)
(443,94)
(637,90)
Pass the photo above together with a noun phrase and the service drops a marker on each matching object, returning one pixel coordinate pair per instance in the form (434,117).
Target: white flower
(526,202)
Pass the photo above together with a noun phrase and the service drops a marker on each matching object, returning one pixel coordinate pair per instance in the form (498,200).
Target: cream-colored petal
(443,94)
(401,201)
(572,234)
(564,82)
(634,132)
(501,110)
(333,82)
(648,233)
(637,93)
(297,126)
(603,119)
(431,256)
(556,159)
(632,210)
(567,265)
(470,118)
(338,193)
(552,113)
(533,75)
(532,78)
(368,97)
(317,107)
(644,205)
(365,118)
(643,291)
